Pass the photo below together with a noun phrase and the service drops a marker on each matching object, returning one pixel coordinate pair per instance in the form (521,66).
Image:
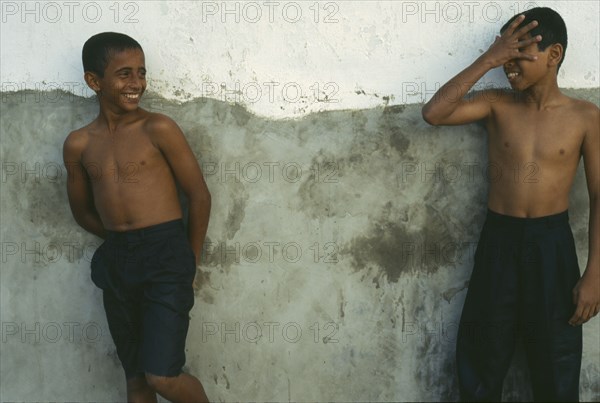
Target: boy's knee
(137,383)
(161,384)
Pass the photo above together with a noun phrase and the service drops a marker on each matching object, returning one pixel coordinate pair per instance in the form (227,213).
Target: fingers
(512,28)
(583,313)
(523,30)
(526,42)
(513,39)
(526,56)
(513,25)
(578,317)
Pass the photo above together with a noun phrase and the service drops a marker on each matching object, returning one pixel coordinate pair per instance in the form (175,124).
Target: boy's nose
(135,82)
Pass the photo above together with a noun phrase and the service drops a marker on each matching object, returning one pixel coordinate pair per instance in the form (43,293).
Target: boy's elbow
(202,196)
(429,116)
(208,199)
(594,200)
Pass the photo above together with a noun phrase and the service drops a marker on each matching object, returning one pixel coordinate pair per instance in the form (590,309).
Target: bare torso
(533,156)
(132,183)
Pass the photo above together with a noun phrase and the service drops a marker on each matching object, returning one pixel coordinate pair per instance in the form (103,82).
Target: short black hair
(550,25)
(99,48)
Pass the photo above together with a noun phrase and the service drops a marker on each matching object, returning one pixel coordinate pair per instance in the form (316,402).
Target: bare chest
(120,158)
(539,136)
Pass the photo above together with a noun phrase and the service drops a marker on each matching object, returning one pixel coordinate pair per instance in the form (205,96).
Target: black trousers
(521,286)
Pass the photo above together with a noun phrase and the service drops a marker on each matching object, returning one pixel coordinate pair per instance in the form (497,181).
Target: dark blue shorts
(146,276)
(521,287)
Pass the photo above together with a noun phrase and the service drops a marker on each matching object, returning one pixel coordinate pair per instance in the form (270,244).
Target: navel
(562,152)
(142,162)
(506,144)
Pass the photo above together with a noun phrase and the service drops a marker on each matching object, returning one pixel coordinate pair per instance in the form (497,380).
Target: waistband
(153,232)
(547,221)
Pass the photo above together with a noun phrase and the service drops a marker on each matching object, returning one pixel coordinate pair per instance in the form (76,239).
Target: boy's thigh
(168,299)
(165,327)
(489,316)
(124,317)
(488,326)
(553,346)
(149,327)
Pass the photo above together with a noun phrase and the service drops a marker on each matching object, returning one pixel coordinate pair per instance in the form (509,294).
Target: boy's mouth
(132,96)
(512,75)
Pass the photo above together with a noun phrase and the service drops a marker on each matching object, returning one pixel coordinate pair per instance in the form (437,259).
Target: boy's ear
(92,80)
(555,54)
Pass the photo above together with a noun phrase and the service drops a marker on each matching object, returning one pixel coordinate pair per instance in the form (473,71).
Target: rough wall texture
(337,260)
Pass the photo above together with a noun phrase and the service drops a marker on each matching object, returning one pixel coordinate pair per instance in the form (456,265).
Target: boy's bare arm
(79,190)
(586,294)
(172,143)
(449,106)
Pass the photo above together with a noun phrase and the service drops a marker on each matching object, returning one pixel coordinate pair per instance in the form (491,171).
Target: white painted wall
(260,53)
(375,50)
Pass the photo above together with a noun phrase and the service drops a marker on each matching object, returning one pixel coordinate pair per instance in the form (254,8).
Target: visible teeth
(132,96)
(512,75)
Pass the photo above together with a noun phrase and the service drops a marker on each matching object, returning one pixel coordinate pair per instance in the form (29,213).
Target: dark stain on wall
(318,193)
(391,124)
(383,247)
(236,214)
(396,249)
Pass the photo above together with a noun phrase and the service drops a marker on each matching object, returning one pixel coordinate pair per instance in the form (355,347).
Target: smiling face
(124,80)
(523,73)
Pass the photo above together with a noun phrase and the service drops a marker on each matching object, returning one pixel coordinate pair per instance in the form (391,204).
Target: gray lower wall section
(336,265)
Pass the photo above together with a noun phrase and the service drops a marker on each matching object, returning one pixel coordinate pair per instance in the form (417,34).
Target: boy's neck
(543,94)
(113,119)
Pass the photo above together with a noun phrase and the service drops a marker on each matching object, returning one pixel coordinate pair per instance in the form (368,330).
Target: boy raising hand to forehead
(526,278)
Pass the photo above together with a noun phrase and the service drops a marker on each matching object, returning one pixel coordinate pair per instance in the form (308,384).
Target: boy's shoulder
(160,129)
(583,106)
(583,112)
(156,122)
(509,96)
(78,138)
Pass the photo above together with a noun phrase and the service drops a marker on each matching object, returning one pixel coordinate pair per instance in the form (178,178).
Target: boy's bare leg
(138,391)
(181,388)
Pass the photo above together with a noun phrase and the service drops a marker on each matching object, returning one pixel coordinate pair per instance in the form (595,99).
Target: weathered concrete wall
(338,255)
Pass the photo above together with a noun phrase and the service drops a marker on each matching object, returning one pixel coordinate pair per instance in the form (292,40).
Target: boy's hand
(506,47)
(586,296)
